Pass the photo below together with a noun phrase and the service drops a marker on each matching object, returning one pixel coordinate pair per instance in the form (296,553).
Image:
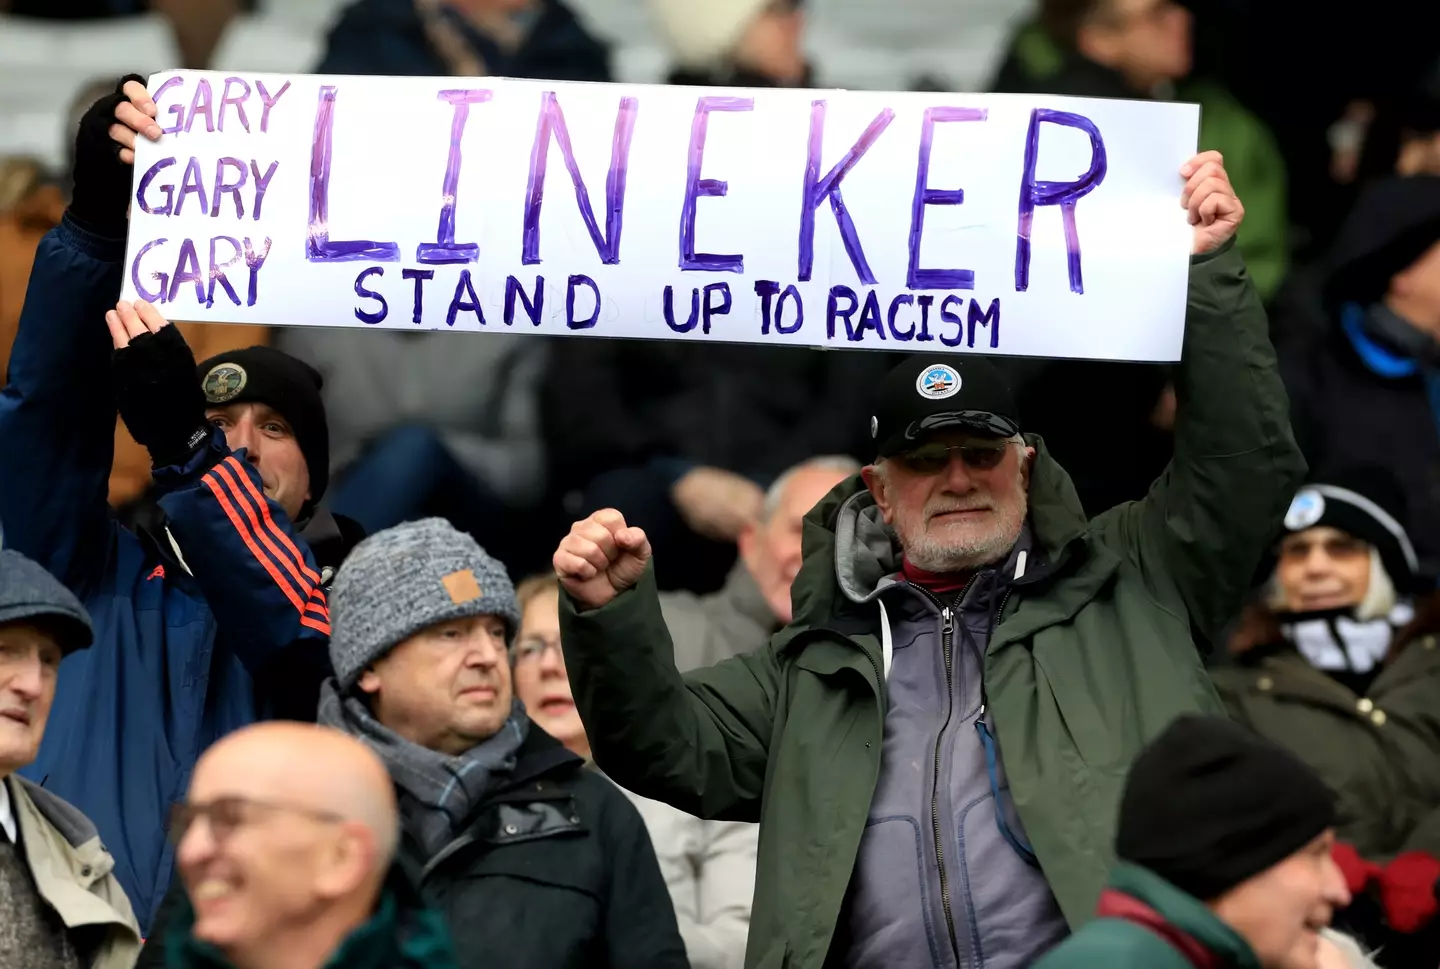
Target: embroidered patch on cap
(1305,510)
(461,586)
(938,382)
(224,382)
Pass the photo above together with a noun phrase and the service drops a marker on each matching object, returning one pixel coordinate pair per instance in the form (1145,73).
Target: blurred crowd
(277,742)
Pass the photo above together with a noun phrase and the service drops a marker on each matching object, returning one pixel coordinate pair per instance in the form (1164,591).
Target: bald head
(291,830)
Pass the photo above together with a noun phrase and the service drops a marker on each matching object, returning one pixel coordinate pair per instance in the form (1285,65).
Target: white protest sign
(1018,225)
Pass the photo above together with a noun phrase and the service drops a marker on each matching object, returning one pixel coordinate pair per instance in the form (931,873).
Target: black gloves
(159,395)
(102,181)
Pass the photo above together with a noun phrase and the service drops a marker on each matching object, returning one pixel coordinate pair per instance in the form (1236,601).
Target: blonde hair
(532,588)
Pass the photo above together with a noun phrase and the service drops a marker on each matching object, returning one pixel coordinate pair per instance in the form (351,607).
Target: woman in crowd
(709,866)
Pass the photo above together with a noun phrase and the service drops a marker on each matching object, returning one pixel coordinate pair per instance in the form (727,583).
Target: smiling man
(210,611)
(535,862)
(934,746)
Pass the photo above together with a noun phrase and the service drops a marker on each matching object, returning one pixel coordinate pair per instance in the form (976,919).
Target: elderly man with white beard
(935,745)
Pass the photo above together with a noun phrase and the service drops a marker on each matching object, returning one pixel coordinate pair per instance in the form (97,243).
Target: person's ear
(874,481)
(1027,464)
(369,681)
(347,860)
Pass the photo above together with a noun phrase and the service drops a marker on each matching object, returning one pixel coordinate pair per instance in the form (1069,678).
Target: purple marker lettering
(924,301)
(236,100)
(262,182)
(318,247)
(464,299)
(187,270)
(200,104)
(177,111)
(267,102)
(444,250)
(364,292)
(816,190)
(1063,194)
(552,123)
(918,278)
(149,296)
(791,293)
(167,189)
(713,310)
(834,312)
(989,318)
(420,276)
(191,184)
(217,271)
(869,319)
(695,187)
(668,307)
(907,334)
(535,309)
(946,316)
(253,261)
(222,186)
(589,321)
(766,289)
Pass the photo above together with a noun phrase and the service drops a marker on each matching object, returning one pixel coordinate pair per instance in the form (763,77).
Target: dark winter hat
(1392,224)
(932,392)
(292,387)
(1368,503)
(28,592)
(1210,803)
(401,580)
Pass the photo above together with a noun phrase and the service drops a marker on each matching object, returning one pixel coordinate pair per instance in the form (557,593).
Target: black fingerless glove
(102,181)
(160,397)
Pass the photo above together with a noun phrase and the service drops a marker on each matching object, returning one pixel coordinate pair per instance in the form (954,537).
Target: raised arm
(1209,516)
(698,743)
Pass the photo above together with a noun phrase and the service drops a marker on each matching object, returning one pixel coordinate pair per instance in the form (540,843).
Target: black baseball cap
(931,392)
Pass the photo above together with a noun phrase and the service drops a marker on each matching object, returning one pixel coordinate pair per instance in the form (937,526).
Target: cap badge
(462,586)
(224,382)
(938,382)
(1305,510)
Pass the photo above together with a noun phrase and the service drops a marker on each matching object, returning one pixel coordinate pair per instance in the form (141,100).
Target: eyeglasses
(225,815)
(532,648)
(934,458)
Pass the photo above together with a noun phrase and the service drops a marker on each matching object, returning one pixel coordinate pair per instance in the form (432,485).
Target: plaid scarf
(445,789)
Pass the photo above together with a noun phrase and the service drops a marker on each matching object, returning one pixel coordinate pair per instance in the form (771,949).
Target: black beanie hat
(1367,502)
(1210,803)
(268,376)
(1394,221)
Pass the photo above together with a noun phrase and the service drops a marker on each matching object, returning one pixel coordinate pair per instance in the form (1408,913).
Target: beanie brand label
(461,586)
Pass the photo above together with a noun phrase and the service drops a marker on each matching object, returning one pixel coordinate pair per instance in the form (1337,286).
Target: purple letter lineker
(1063,194)
(319,248)
(444,250)
(817,189)
(552,122)
(695,186)
(918,278)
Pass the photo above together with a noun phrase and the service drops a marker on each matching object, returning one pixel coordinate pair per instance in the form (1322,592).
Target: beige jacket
(709,867)
(72,871)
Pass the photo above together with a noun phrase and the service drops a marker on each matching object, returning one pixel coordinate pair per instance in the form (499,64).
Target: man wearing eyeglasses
(286,845)
(935,745)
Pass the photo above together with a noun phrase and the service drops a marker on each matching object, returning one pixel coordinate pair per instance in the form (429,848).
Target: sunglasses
(934,458)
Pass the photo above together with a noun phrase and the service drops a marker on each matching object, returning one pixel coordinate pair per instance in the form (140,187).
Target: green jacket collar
(1186,913)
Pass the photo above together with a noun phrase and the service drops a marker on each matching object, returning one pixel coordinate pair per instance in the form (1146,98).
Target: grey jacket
(72,872)
(945,876)
(479,391)
(710,628)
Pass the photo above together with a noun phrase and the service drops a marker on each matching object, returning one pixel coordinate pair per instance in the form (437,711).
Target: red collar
(1117,905)
(938,583)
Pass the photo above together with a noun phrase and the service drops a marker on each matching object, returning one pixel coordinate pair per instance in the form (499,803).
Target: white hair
(1355,957)
(839,463)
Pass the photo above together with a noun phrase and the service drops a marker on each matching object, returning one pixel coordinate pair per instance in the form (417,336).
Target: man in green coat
(936,743)
(1225,846)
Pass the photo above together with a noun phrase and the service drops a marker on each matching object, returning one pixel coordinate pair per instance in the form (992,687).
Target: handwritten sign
(1044,226)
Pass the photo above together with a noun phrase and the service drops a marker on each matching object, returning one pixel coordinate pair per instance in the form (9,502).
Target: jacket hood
(59,813)
(1393,223)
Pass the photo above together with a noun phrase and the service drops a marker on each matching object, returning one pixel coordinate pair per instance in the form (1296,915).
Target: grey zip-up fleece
(940,881)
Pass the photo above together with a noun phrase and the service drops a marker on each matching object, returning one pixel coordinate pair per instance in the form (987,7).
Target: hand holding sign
(601,558)
(1214,209)
(103,157)
(156,390)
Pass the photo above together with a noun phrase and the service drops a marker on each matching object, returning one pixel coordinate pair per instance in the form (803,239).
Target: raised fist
(601,558)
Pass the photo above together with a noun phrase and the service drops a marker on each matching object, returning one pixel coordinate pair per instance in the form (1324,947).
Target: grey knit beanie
(399,581)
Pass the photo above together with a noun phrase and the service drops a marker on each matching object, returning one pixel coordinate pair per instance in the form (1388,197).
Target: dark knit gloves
(102,181)
(159,398)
